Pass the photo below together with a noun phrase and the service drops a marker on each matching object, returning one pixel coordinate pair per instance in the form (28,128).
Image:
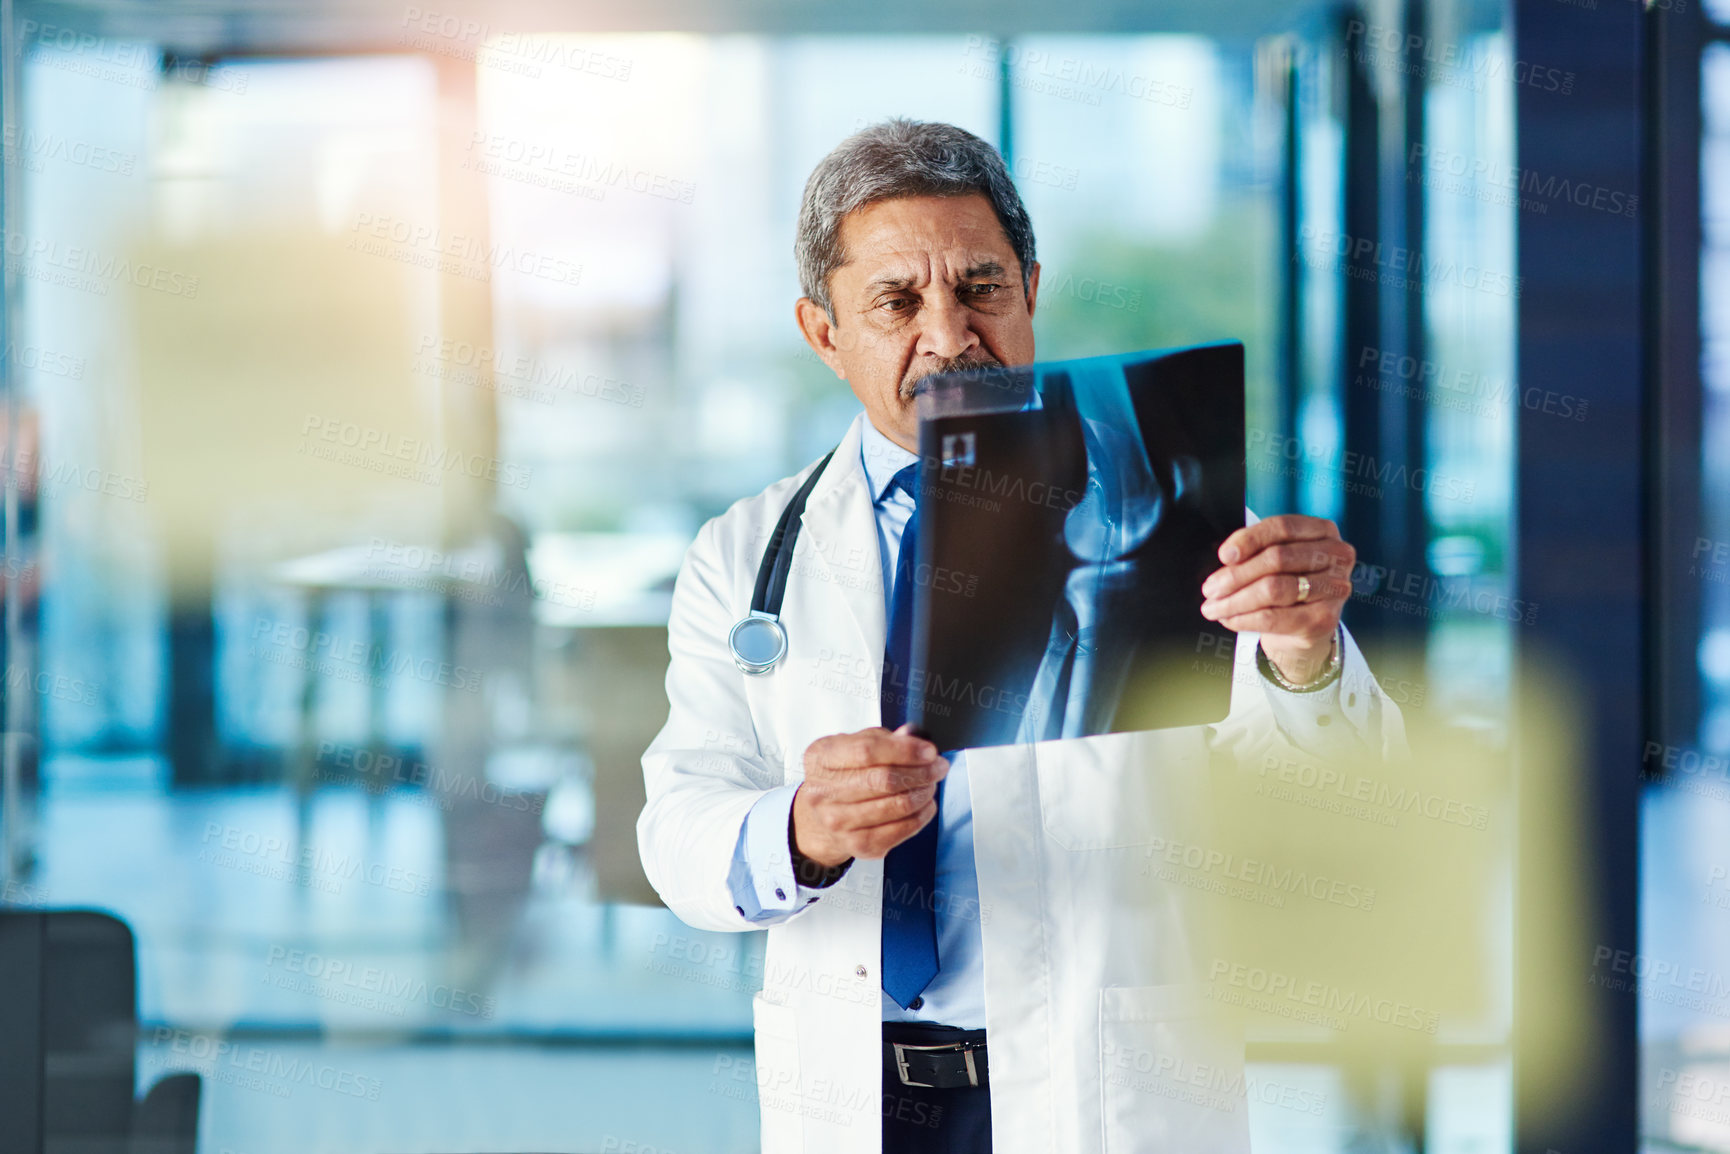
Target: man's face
(929,284)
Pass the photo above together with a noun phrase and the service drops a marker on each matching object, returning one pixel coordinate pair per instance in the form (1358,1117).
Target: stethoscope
(758,639)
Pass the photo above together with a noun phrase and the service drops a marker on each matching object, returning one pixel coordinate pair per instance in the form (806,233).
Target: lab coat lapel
(841,526)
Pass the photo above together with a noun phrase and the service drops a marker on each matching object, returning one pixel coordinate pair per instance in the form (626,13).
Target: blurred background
(368,368)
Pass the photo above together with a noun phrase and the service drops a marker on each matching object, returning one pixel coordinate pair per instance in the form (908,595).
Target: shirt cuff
(1314,721)
(761,879)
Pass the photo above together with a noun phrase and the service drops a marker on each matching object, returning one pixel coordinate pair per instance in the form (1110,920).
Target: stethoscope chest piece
(758,641)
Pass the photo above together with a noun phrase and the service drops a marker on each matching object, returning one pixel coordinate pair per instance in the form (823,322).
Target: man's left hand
(1257,590)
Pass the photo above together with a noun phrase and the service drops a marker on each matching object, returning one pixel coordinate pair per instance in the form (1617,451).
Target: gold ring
(1303,589)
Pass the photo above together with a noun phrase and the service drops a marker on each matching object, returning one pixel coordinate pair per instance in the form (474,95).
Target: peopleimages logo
(133,63)
(515,158)
(1355,471)
(1447,62)
(1528,187)
(360,654)
(463,38)
(282,858)
(1462,390)
(39,146)
(30,470)
(87,270)
(1069,77)
(378,771)
(254,1067)
(1423,595)
(1365,258)
(1319,1002)
(391,453)
(1661,979)
(333,978)
(459,254)
(537,379)
(1165,857)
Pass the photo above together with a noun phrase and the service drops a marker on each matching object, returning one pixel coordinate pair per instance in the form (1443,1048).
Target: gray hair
(897,158)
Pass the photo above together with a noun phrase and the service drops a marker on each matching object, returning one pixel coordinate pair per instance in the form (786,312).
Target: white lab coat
(1089,974)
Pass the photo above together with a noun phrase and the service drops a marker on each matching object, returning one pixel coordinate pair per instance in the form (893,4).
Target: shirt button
(1325,719)
(1351,699)
(780,895)
(861,971)
(916,1003)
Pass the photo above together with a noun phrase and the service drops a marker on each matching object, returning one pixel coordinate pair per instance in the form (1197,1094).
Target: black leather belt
(933,1057)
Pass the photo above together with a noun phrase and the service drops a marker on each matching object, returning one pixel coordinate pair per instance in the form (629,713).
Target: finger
(1279,590)
(1276,591)
(855,785)
(1311,621)
(1286,557)
(1252,539)
(863,815)
(878,841)
(870,747)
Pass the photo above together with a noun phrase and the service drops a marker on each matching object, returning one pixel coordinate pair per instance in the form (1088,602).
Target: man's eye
(896,304)
(983,290)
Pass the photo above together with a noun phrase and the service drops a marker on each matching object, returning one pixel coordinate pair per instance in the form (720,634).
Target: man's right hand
(865,793)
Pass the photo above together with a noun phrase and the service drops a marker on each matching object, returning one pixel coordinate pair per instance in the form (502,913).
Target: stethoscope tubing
(764,618)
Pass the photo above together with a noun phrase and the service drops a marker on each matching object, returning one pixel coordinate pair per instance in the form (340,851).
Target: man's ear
(819,332)
(1033,289)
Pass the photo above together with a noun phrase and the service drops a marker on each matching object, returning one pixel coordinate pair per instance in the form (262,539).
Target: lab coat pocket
(777,1073)
(1118,789)
(1171,1073)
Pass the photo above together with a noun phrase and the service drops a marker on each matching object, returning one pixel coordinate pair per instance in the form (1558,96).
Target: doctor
(957,949)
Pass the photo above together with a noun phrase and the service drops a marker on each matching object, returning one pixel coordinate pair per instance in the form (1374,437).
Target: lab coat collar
(883,459)
(846,466)
(840,519)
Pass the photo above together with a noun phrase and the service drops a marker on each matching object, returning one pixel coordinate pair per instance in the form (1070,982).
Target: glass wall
(361,408)
(1685,819)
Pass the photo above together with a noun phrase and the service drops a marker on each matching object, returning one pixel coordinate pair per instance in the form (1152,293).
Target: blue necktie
(910,869)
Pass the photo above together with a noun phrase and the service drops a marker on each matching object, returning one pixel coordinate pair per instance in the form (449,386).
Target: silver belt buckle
(901,1064)
(901,1049)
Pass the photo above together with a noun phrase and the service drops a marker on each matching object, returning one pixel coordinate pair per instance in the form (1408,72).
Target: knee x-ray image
(1069,512)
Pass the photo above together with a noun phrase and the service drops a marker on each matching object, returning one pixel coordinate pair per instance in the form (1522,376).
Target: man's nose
(948,330)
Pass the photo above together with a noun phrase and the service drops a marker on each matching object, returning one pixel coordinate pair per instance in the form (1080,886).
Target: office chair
(69,1042)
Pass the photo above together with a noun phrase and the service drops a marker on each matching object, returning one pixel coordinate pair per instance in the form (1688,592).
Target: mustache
(975,360)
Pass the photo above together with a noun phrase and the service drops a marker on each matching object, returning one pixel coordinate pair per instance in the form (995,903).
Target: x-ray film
(1069,513)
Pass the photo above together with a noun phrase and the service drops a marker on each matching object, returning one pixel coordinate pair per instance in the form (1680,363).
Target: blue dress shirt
(761,876)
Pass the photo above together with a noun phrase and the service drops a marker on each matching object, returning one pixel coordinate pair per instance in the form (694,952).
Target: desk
(581,620)
(612,672)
